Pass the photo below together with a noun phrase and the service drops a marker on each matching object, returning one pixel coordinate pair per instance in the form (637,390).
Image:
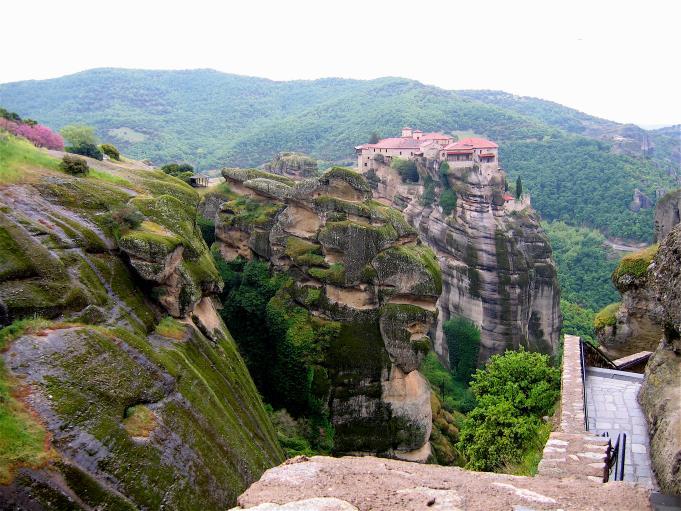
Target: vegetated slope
(212,119)
(106,400)
(627,138)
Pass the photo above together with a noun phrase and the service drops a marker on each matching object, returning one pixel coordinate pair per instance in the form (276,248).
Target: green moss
(304,252)
(607,316)
(248,174)
(334,274)
(171,328)
(247,212)
(354,179)
(419,261)
(635,265)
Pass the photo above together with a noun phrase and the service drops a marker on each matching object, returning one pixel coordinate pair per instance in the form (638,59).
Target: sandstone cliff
(358,265)
(667,214)
(107,400)
(496,260)
(648,318)
(295,165)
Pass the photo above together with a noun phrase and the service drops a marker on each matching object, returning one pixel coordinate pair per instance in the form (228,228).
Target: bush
(110,151)
(513,392)
(74,165)
(448,201)
(636,264)
(125,218)
(78,134)
(463,341)
(179,170)
(406,169)
(428,196)
(86,149)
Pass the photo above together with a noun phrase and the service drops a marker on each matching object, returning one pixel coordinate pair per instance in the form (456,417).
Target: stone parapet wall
(572,451)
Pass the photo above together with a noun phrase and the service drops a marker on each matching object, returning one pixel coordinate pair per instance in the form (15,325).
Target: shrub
(179,170)
(86,149)
(110,151)
(124,218)
(74,165)
(607,316)
(463,341)
(513,392)
(379,158)
(406,169)
(428,196)
(448,201)
(444,172)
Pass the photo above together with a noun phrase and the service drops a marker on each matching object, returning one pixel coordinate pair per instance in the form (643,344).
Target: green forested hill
(212,119)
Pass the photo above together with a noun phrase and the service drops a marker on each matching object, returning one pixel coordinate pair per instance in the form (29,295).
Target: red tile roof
(508,197)
(486,155)
(396,143)
(473,143)
(456,150)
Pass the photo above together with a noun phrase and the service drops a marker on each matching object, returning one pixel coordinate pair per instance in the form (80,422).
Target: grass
(171,328)
(139,421)
(111,178)
(18,157)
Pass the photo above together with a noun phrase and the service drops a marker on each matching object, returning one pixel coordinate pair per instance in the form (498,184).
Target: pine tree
(374,138)
(518,188)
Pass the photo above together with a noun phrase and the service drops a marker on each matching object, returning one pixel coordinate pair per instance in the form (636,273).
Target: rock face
(640,201)
(660,394)
(294,165)
(122,414)
(341,484)
(360,265)
(667,214)
(496,260)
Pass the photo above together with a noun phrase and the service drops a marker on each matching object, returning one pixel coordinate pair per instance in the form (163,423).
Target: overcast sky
(614,59)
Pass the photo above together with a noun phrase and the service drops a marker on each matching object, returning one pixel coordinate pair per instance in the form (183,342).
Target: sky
(614,59)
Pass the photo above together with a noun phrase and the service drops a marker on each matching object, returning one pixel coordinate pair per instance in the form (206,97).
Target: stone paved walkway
(612,406)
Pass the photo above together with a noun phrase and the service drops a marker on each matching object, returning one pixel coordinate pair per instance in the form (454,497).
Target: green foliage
(111,151)
(607,316)
(74,165)
(181,171)
(444,172)
(406,169)
(518,188)
(578,320)
(79,134)
(636,264)
(454,395)
(448,201)
(463,341)
(207,229)
(123,218)
(584,265)
(428,195)
(579,181)
(85,149)
(373,138)
(513,392)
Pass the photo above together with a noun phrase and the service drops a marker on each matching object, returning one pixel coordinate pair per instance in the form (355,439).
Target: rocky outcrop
(640,201)
(106,409)
(296,165)
(667,214)
(660,394)
(340,484)
(496,260)
(357,264)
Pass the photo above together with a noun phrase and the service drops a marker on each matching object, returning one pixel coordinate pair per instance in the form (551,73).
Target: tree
(79,134)
(513,392)
(463,341)
(374,138)
(448,201)
(179,170)
(518,188)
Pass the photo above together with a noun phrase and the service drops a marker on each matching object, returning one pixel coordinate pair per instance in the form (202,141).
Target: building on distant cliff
(437,146)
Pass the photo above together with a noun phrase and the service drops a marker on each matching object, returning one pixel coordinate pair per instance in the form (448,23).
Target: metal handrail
(583,370)
(615,458)
(598,358)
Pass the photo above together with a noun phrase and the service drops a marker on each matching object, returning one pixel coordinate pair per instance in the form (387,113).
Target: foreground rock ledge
(368,483)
